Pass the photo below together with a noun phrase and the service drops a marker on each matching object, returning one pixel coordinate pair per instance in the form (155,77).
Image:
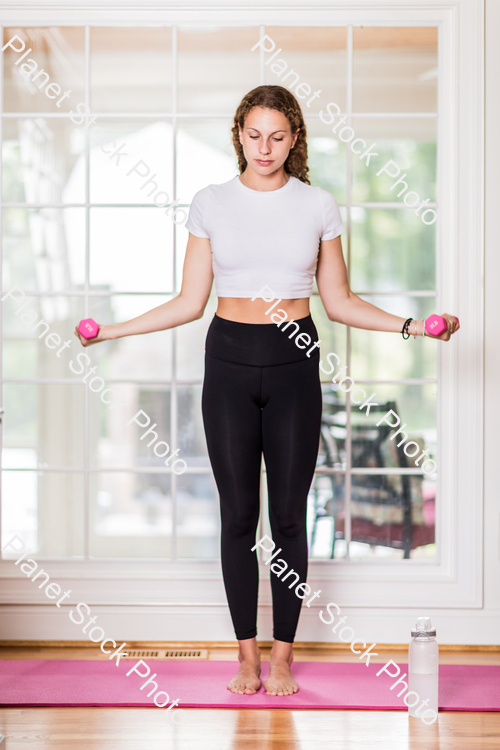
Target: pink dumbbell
(88,328)
(435,324)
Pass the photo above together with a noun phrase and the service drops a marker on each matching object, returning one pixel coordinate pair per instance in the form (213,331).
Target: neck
(263,183)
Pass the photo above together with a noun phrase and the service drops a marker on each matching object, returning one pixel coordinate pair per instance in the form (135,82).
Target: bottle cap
(423,626)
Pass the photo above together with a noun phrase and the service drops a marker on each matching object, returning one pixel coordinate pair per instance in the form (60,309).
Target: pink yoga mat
(71,682)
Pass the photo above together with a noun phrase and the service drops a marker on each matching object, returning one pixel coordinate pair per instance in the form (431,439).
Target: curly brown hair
(281,100)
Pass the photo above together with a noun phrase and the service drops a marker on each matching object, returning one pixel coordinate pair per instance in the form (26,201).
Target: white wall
(492,316)
(150,606)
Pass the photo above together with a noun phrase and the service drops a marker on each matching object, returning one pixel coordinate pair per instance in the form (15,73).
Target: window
(77,481)
(83,238)
(369,500)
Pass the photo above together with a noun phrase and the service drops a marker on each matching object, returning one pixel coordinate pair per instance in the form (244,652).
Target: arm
(190,303)
(343,306)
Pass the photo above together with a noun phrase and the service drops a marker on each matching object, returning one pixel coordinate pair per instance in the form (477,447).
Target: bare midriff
(243,310)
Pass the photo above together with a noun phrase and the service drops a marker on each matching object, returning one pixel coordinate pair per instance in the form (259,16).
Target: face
(266,138)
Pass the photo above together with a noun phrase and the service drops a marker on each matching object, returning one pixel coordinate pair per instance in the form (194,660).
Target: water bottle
(423,661)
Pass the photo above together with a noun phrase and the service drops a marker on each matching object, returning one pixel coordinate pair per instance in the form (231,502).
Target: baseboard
(298,645)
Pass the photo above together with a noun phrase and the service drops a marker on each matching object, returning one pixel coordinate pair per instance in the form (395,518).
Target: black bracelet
(405,329)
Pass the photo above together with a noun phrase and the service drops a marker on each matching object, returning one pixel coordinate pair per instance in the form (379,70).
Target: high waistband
(261,345)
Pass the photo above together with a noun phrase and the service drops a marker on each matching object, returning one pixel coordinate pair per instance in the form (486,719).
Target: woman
(261,393)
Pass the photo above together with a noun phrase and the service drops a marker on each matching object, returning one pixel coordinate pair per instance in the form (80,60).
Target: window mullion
(173,388)
(347,485)
(86,442)
(1,264)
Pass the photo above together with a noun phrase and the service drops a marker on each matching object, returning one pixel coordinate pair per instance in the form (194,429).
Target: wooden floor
(245,729)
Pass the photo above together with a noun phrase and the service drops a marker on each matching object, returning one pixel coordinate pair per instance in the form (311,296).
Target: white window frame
(455,579)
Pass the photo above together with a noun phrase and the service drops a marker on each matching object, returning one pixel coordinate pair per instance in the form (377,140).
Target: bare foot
(280,680)
(247,679)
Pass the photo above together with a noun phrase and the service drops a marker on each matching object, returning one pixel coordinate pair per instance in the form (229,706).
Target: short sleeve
(194,223)
(332,221)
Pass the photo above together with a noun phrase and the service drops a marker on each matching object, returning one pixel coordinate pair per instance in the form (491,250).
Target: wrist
(107,333)
(414,328)
(417,328)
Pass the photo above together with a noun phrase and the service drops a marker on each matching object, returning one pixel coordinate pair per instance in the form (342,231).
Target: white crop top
(264,237)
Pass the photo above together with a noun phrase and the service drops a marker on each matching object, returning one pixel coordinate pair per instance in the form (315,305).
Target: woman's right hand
(101,336)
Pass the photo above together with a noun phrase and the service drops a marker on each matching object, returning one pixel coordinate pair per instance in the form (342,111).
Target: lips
(264,163)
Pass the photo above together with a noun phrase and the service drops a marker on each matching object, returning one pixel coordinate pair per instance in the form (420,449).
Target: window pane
(130,250)
(141,171)
(216,67)
(389,517)
(327,161)
(376,447)
(46,419)
(412,145)
(144,357)
(191,435)
(392,250)
(40,161)
(130,433)
(60,52)
(395,69)
(31,350)
(325,511)
(44,249)
(198,517)
(45,509)
(318,55)
(130,69)
(205,156)
(332,444)
(387,356)
(130,515)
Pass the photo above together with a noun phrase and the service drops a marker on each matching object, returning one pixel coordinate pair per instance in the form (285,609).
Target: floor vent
(170,654)
(186,654)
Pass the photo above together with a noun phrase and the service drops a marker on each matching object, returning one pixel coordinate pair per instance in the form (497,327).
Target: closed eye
(254,137)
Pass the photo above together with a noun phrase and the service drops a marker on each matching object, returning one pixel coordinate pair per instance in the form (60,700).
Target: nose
(265,147)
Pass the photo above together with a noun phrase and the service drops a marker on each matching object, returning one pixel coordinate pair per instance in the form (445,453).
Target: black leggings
(261,395)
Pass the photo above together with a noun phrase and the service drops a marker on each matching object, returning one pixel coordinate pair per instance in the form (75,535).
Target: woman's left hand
(452,324)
